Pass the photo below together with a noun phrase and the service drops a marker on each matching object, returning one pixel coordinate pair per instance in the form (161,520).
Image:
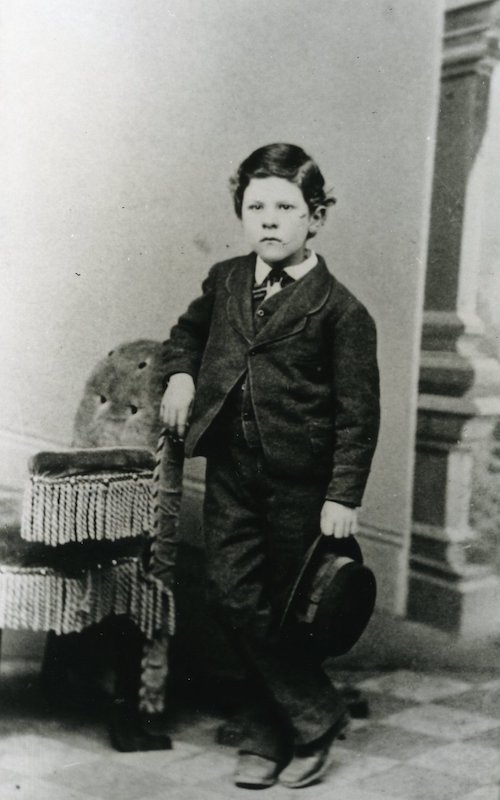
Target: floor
(432,735)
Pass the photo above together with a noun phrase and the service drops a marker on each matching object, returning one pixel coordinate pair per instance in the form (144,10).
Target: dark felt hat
(333,597)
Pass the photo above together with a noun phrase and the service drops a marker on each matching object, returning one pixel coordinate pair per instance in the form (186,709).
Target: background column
(454,579)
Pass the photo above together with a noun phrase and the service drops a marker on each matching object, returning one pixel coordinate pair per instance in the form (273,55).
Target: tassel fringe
(41,599)
(102,506)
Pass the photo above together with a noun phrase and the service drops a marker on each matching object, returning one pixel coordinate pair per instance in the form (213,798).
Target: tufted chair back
(120,403)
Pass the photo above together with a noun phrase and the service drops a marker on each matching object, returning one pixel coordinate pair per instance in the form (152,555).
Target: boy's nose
(269,222)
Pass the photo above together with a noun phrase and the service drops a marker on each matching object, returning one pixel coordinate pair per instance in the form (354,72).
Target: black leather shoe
(255,772)
(311,762)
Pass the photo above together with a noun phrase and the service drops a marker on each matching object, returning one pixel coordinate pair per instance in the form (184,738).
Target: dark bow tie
(277,275)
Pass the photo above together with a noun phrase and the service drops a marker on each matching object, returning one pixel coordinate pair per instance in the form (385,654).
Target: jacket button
(260,312)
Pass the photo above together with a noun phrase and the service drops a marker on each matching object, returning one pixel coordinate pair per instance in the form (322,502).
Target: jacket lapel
(307,296)
(239,284)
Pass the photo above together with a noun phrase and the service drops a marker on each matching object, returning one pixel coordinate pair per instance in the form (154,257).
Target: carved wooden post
(454,580)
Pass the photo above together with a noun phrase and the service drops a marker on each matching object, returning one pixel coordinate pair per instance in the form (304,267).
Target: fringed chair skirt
(80,495)
(43,599)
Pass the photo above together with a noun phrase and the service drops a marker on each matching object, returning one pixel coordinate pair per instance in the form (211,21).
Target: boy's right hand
(176,404)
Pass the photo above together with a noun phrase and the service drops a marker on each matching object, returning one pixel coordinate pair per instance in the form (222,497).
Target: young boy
(272,375)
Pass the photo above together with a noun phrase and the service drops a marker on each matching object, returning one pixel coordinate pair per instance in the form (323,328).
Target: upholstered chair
(87,550)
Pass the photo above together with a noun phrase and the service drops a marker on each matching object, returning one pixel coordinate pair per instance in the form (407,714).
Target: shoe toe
(311,765)
(255,772)
(304,770)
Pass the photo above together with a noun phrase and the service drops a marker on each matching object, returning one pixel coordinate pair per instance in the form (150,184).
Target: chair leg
(130,729)
(54,671)
(126,644)
(76,668)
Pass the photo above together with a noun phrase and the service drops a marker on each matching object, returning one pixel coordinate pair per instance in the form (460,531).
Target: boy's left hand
(338,520)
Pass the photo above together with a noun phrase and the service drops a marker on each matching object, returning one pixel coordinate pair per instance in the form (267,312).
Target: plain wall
(122,122)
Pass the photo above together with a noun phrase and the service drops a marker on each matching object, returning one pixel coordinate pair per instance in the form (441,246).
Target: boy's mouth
(271,239)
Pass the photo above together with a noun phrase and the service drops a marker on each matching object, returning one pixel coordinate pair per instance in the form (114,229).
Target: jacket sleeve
(357,403)
(183,351)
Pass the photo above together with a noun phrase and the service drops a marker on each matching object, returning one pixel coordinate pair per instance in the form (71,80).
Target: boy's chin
(271,260)
(273,256)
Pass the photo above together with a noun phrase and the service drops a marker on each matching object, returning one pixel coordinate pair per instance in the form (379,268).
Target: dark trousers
(258,527)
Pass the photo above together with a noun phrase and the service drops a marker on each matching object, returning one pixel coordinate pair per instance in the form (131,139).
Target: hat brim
(333,596)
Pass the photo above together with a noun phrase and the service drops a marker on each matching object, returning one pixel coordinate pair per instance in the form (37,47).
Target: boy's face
(277,221)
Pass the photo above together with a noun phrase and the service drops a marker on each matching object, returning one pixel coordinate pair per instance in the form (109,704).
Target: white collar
(296,271)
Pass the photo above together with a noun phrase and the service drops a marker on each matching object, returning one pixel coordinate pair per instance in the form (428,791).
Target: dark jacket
(312,372)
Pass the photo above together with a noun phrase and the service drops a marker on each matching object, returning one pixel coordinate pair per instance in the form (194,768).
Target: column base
(469,608)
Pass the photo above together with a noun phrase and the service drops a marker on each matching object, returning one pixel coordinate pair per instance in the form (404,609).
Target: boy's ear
(317,219)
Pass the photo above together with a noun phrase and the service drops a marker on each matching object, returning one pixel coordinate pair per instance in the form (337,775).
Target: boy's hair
(281,160)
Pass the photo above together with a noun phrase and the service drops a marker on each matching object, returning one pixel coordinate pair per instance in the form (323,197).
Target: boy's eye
(286,206)
(255,206)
